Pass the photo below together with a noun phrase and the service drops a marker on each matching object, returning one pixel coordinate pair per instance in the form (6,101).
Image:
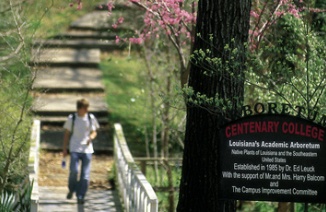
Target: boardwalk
(54,199)
(67,71)
(53,185)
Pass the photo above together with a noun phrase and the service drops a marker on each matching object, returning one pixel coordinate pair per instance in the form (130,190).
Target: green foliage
(47,18)
(16,79)
(312,207)
(257,206)
(128,94)
(162,200)
(319,19)
(14,139)
(214,105)
(212,65)
(126,97)
(7,202)
(218,70)
(290,67)
(24,197)
(162,182)
(15,122)
(285,54)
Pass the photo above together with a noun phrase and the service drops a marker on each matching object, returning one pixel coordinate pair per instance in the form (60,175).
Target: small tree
(290,65)
(174,20)
(16,81)
(162,80)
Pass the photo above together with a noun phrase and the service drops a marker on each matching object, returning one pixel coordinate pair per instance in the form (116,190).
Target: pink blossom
(254,14)
(120,20)
(117,39)
(253,47)
(255,33)
(294,11)
(136,40)
(110,6)
(161,23)
(155,7)
(279,14)
(162,16)
(79,4)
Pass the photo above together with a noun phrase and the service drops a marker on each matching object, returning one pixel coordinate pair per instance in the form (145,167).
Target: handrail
(33,163)
(136,192)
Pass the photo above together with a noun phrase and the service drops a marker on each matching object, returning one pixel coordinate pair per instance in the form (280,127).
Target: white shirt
(81,132)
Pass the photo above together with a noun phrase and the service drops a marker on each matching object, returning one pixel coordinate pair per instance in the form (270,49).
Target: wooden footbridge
(67,69)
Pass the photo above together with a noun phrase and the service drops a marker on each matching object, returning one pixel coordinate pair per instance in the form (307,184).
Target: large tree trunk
(220,23)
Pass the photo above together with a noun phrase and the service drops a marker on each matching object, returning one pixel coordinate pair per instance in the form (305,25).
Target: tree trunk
(285,207)
(220,23)
(151,80)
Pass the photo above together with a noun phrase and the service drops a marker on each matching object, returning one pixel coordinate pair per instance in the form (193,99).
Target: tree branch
(13,54)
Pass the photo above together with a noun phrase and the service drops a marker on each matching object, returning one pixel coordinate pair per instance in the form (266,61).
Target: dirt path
(52,174)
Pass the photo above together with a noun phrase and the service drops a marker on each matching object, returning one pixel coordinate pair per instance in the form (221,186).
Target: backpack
(73,122)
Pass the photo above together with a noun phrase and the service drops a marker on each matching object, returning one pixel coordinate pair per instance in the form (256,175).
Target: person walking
(80,131)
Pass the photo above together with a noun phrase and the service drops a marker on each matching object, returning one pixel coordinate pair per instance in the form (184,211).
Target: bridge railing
(33,163)
(135,190)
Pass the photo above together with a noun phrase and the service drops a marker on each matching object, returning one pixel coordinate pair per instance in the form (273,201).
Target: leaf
(7,201)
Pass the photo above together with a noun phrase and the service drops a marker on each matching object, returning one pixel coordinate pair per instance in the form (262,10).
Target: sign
(273,158)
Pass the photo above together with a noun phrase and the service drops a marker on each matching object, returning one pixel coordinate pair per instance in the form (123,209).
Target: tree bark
(285,207)
(220,23)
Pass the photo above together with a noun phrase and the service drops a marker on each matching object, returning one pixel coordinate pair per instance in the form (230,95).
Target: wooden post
(143,165)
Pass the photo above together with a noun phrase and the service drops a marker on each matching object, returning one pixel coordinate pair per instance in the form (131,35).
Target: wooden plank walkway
(79,78)
(53,179)
(78,43)
(60,103)
(96,20)
(68,70)
(54,199)
(66,56)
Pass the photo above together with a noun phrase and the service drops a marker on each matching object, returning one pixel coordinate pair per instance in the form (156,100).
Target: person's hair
(82,103)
